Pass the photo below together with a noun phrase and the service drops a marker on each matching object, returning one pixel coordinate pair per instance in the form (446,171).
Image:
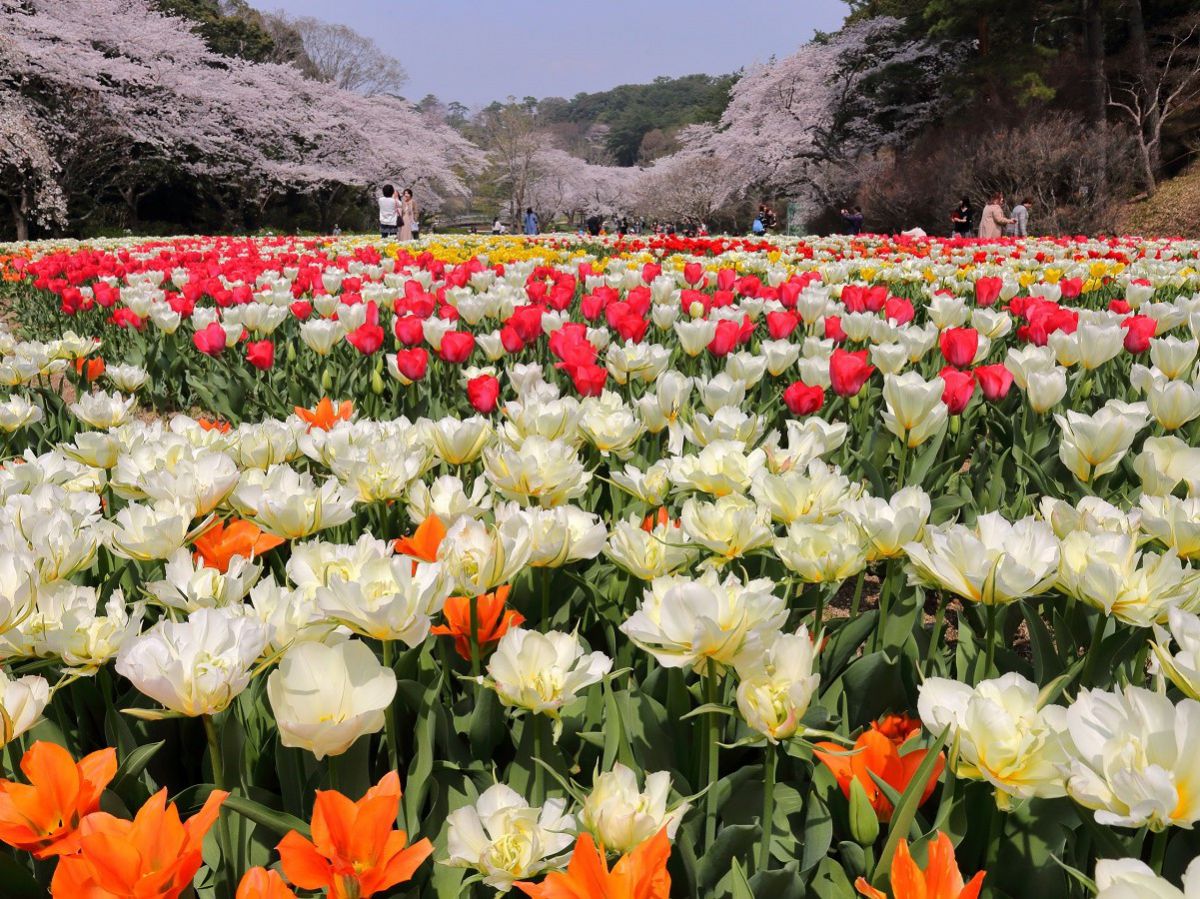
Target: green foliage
(231,29)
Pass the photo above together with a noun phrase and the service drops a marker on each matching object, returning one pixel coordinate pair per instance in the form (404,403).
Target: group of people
(398,214)
(993,222)
(764,220)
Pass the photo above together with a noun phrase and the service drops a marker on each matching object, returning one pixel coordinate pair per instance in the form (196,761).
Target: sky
(477,51)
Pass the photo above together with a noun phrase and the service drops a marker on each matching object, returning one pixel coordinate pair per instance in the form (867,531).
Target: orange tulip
(424,542)
(493,620)
(661,518)
(877,751)
(354,852)
(897,728)
(43,817)
(238,537)
(259,883)
(642,874)
(214,424)
(325,416)
(940,879)
(154,856)
(91,369)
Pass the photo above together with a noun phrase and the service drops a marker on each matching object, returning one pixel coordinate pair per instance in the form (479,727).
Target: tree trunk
(20,216)
(1097,99)
(1145,76)
(130,196)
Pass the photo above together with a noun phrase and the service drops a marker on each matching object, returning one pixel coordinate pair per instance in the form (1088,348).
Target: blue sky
(476,51)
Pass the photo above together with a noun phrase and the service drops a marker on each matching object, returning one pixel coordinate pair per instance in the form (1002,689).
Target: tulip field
(566,567)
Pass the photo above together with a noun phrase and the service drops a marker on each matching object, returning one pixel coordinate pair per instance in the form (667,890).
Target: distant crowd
(398,218)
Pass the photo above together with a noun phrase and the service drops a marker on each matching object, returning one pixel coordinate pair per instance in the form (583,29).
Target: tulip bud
(291,352)
(864,824)
(376,383)
(955,424)
(326,380)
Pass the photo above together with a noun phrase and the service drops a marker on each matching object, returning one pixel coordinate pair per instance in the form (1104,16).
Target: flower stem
(1093,654)
(714,734)
(768,816)
(391,731)
(539,773)
(935,638)
(228,863)
(546,575)
(993,618)
(1158,850)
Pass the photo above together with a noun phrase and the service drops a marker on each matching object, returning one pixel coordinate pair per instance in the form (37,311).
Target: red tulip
(650,271)
(987,290)
(833,329)
(781,324)
(409,330)
(260,354)
(1138,331)
(995,380)
(1120,307)
(302,309)
(693,272)
(483,393)
(725,339)
(412,363)
(899,310)
(366,338)
(960,386)
(848,372)
(457,346)
(802,399)
(210,340)
(511,340)
(589,379)
(959,346)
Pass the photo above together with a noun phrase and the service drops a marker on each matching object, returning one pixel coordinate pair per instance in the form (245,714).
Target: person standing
(389,212)
(408,216)
(962,217)
(853,219)
(1020,214)
(531,222)
(993,220)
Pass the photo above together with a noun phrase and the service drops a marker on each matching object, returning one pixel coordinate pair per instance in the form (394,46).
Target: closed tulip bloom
(504,838)
(1131,878)
(1173,404)
(259,883)
(459,442)
(103,410)
(959,346)
(848,372)
(561,535)
(17,411)
(1093,445)
(22,701)
(324,697)
(354,852)
(1132,758)
(914,408)
(688,623)
(776,687)
(1003,733)
(801,399)
(1046,389)
(43,817)
(940,878)
(622,816)
(995,562)
(541,673)
(1028,360)
(722,468)
(196,666)
(1172,356)
(648,553)
(994,380)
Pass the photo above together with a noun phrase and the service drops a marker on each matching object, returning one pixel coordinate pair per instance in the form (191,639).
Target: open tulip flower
(598,537)
(877,751)
(642,874)
(355,852)
(155,854)
(43,817)
(940,879)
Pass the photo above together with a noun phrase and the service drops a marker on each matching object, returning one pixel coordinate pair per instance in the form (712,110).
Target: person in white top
(389,212)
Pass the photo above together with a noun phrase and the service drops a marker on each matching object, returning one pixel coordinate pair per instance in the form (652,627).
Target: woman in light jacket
(993,220)
(408,215)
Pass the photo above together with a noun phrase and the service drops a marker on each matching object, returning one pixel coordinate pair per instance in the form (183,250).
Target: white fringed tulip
(621,816)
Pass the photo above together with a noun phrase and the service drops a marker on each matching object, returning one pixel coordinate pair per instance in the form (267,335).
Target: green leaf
(733,840)
(739,883)
(134,764)
(818,832)
(18,882)
(278,822)
(906,809)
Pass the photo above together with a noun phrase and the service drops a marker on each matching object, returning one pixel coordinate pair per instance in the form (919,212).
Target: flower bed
(674,566)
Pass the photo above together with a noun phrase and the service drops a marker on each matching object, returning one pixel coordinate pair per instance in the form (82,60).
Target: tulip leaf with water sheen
(906,809)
